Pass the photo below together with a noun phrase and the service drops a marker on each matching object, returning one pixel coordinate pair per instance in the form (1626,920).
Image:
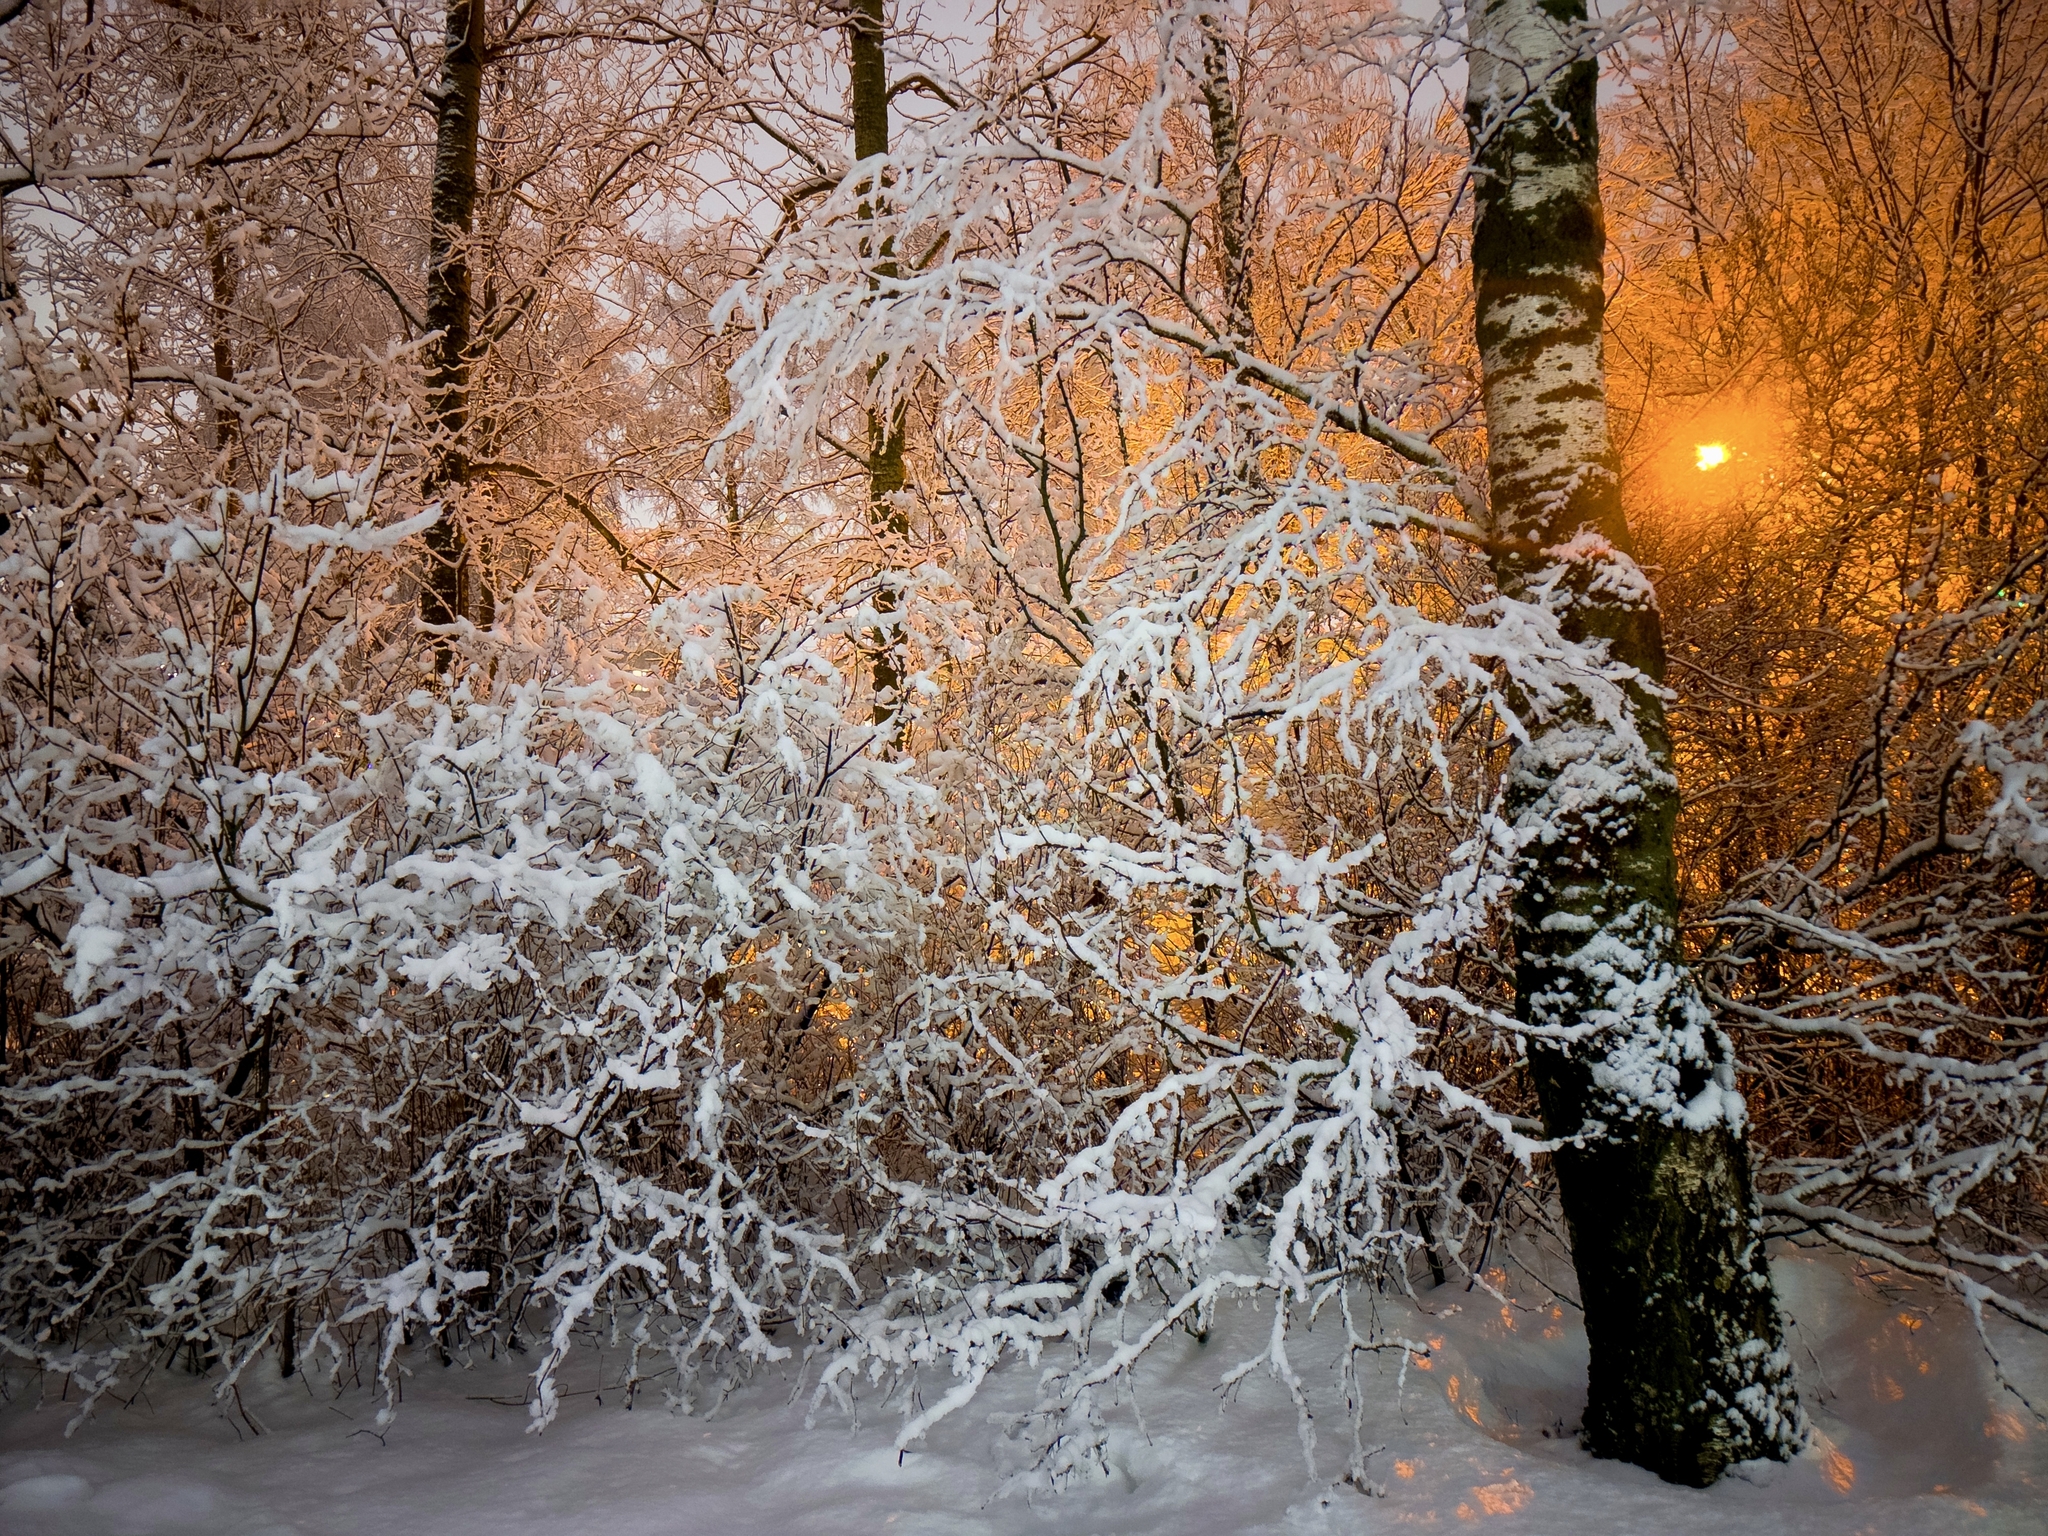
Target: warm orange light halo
(1710,455)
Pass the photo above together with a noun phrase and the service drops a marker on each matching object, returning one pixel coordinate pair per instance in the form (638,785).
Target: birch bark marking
(458,111)
(868,82)
(1689,1371)
(1226,139)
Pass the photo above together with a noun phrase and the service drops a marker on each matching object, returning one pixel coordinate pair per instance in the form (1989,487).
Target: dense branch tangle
(1100,422)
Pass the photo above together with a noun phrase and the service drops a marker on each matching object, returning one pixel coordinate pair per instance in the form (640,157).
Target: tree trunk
(1688,1372)
(450,575)
(868,75)
(1226,140)
(221,272)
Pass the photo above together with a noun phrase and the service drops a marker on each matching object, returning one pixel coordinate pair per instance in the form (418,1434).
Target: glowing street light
(1711,455)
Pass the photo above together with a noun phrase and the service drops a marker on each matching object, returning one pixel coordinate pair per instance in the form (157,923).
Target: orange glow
(1404,1469)
(1711,455)
(1840,1470)
(1503,1498)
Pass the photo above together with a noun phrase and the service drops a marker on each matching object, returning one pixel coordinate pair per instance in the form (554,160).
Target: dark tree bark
(221,272)
(452,589)
(869,90)
(1689,1372)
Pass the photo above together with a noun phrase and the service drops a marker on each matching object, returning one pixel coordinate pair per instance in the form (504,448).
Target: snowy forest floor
(1912,1434)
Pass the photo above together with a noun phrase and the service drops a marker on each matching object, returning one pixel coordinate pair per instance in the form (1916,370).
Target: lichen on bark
(1688,1370)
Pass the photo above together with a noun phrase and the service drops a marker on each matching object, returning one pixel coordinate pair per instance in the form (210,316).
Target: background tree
(453,587)
(1834,269)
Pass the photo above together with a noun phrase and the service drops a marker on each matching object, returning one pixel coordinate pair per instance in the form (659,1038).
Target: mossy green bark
(1688,1371)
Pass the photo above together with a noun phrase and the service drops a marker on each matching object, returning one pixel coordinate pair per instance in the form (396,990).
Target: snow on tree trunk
(1689,1372)
(457,120)
(1227,140)
(868,96)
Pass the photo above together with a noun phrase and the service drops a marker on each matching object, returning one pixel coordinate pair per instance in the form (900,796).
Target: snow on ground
(1912,1436)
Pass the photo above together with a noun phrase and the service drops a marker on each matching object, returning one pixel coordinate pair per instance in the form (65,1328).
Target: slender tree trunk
(869,80)
(730,495)
(457,119)
(221,273)
(1688,1372)
(1226,139)
(288,1341)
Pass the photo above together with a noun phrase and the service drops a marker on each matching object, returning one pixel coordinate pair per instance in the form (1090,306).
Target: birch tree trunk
(457,119)
(1688,1370)
(1226,139)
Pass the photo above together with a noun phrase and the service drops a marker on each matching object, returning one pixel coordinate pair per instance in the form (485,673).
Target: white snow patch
(1913,1439)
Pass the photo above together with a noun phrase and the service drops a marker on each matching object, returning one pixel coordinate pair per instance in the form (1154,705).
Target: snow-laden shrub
(367,1008)
(456,1033)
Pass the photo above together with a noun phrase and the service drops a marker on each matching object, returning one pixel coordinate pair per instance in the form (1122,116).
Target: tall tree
(868,82)
(453,588)
(1688,1370)
(1226,139)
